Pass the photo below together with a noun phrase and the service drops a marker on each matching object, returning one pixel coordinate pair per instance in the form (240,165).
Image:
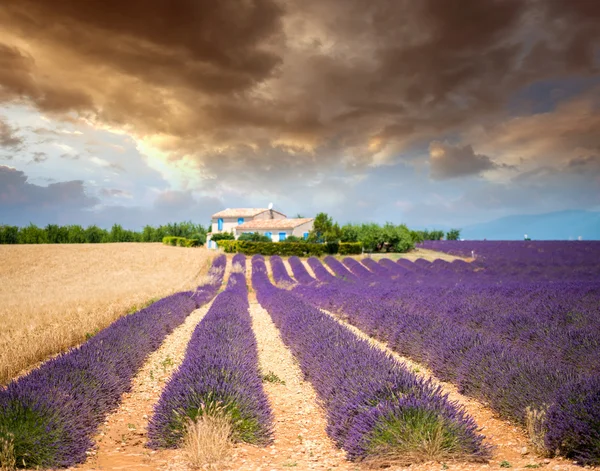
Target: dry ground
(426,254)
(52,295)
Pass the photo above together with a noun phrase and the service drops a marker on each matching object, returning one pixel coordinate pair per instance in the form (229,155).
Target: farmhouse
(265,221)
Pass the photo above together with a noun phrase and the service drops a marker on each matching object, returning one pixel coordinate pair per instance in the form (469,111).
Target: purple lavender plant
(321,272)
(220,370)
(280,274)
(375,407)
(300,272)
(512,332)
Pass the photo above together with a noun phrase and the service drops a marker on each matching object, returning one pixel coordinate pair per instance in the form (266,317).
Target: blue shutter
(220,224)
(282,236)
(240,220)
(269,235)
(305,236)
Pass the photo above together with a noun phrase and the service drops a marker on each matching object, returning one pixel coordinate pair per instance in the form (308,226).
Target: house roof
(241,212)
(264,224)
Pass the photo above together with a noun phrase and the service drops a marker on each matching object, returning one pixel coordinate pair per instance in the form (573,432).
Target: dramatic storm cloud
(301,103)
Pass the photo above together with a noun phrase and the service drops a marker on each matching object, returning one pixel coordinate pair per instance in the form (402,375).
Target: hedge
(350,248)
(299,249)
(181,241)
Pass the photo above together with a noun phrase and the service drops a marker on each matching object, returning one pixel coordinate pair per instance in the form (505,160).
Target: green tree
(95,235)
(76,234)
(349,233)
(453,234)
(324,230)
(9,235)
(32,235)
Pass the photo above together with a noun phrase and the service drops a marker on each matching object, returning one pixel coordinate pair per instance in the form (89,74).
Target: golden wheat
(53,296)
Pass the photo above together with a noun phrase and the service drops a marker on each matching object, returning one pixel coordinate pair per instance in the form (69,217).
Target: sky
(434,113)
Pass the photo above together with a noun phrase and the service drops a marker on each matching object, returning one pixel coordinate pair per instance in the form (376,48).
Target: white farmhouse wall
(229,224)
(302,228)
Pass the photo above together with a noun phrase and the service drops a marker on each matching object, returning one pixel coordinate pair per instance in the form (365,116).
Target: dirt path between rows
(120,443)
(300,441)
(511,445)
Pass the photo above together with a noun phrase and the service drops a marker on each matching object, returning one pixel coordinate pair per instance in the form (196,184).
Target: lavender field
(517,329)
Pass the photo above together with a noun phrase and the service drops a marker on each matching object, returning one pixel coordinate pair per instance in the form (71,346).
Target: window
(282,236)
(269,235)
(240,220)
(305,235)
(220,224)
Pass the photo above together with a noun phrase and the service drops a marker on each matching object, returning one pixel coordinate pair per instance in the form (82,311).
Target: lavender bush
(219,371)
(321,272)
(339,269)
(300,272)
(374,406)
(51,414)
(376,268)
(519,345)
(280,274)
(357,268)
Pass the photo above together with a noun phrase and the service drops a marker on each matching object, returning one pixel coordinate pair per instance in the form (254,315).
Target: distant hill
(562,225)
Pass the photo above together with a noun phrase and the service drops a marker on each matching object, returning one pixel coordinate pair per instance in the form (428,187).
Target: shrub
(350,248)
(254,237)
(292,238)
(181,241)
(299,249)
(222,236)
(332,247)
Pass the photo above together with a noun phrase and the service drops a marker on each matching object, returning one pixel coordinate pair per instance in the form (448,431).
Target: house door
(282,236)
(269,235)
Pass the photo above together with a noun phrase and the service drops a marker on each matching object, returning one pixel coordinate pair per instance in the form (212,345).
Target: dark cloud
(448,161)
(22,202)
(8,136)
(316,75)
(15,192)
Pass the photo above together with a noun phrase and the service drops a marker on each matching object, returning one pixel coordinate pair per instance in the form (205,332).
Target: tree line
(76,234)
(388,237)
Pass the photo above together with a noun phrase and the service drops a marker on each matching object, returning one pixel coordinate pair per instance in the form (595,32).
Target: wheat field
(54,296)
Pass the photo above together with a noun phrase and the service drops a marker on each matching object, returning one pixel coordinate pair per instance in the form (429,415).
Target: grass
(53,297)
(207,442)
(271,377)
(418,435)
(7,455)
(536,429)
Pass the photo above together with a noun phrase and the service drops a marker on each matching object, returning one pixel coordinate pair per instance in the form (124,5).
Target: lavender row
(219,373)
(521,348)
(51,414)
(339,269)
(374,406)
(280,274)
(320,271)
(299,270)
